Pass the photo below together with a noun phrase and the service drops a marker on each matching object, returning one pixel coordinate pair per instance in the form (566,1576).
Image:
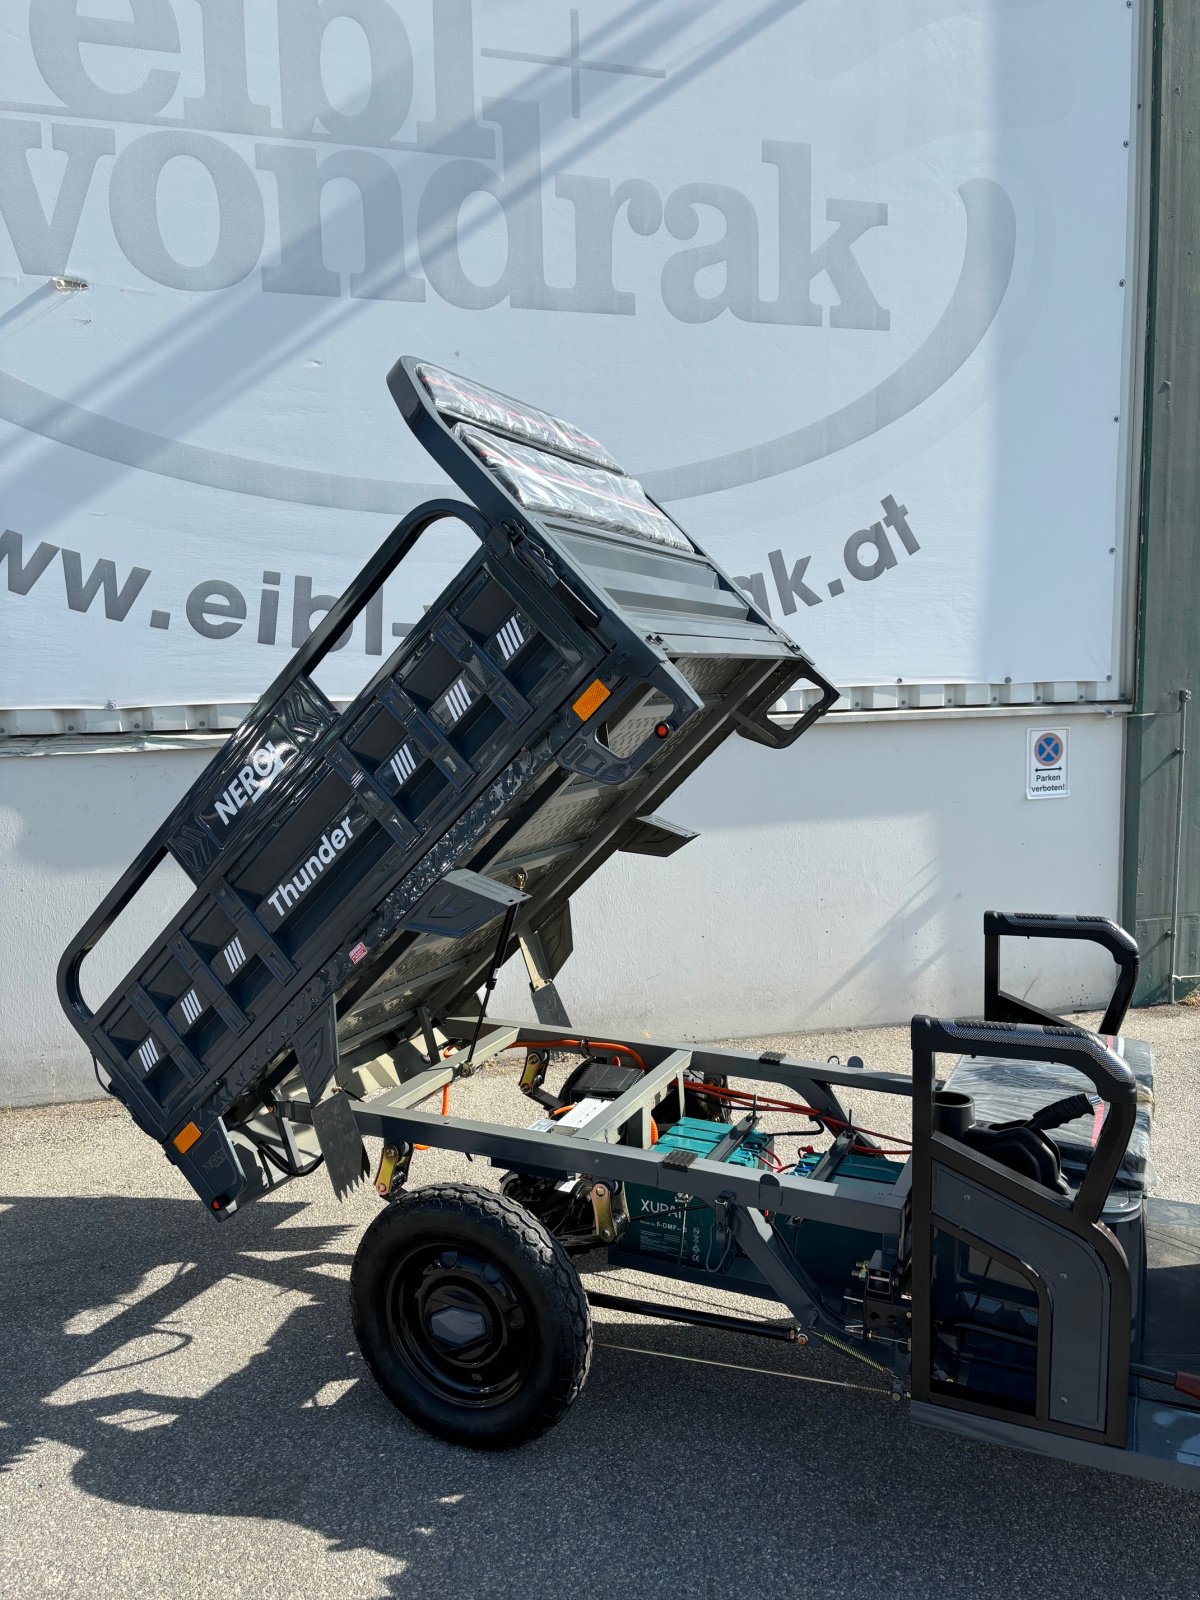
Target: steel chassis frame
(742,1198)
(904,1216)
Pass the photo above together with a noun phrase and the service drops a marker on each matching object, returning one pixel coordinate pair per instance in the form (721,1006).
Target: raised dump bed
(359,873)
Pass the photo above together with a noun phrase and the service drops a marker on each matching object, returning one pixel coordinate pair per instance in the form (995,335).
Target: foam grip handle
(1050,925)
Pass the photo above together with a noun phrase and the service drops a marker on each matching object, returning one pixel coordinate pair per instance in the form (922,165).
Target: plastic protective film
(546,483)
(465,401)
(1012,1091)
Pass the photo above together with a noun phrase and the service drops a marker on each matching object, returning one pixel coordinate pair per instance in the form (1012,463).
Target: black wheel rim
(460,1324)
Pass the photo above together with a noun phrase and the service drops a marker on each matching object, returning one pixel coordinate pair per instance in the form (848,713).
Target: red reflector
(1188,1383)
(663,729)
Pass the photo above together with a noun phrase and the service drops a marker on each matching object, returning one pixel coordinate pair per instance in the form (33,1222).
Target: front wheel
(471,1316)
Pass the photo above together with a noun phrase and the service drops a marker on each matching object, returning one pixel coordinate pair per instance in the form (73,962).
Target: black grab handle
(1001,1007)
(1110,1074)
(761,730)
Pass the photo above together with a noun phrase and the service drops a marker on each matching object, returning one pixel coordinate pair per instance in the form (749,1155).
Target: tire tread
(537,1249)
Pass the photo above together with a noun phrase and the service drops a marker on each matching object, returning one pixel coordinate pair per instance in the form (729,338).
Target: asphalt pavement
(184,1412)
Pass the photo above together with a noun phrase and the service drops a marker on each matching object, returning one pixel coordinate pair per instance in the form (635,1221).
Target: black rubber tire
(537,1277)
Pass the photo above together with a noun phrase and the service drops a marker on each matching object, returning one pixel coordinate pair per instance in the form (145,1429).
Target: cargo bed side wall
(841,883)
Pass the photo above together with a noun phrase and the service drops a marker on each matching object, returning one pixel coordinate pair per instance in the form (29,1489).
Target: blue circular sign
(1047,751)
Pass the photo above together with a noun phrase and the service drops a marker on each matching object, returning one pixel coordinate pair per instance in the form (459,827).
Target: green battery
(681,1231)
(674,1229)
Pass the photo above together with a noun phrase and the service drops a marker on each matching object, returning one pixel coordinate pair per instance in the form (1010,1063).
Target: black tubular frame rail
(999,1006)
(366,583)
(1019,1198)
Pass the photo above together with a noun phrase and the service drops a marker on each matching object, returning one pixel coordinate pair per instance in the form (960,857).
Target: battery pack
(680,1230)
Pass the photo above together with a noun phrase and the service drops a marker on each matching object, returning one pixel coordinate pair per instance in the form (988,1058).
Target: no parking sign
(1047,774)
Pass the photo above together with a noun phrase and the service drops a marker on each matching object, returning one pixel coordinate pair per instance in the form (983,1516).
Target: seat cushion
(1010,1091)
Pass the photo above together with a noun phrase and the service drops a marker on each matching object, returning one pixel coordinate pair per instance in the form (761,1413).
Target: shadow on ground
(225,1382)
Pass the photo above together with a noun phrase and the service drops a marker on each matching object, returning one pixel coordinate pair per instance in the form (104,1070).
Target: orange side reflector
(186,1138)
(592,698)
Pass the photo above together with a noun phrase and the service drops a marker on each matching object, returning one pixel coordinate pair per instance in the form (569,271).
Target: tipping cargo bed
(358,872)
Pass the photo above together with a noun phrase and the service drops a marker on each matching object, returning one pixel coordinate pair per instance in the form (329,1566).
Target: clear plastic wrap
(550,484)
(1011,1091)
(465,401)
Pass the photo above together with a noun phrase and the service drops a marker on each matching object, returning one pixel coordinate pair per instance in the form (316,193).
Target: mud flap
(316,1047)
(341,1143)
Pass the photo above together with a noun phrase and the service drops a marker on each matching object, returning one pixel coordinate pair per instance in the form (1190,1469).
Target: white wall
(839,884)
(844,883)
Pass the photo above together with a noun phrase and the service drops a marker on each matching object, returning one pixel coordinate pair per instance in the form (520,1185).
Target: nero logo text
(259,772)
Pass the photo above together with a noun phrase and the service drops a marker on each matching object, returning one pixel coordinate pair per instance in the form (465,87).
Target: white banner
(845,282)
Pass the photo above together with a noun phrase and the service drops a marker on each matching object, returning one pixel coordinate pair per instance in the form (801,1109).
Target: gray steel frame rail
(743,1197)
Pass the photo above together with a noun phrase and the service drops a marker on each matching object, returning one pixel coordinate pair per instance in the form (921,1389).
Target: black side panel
(1021,1302)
